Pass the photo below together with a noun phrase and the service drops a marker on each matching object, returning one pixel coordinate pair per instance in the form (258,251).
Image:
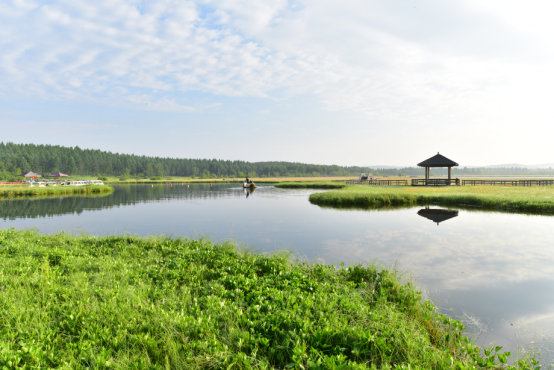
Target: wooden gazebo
(437,160)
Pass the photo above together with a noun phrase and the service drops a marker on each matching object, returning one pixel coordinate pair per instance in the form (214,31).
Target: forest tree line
(16,159)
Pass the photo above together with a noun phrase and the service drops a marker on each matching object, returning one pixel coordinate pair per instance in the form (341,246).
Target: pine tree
(71,166)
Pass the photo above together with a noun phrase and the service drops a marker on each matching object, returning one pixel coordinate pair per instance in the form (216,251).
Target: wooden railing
(447,182)
(378,182)
(435,182)
(509,182)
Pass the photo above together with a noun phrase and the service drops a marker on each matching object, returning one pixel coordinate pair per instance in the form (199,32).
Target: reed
(123,302)
(535,199)
(54,190)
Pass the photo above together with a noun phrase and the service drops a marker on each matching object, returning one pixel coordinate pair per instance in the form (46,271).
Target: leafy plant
(122,302)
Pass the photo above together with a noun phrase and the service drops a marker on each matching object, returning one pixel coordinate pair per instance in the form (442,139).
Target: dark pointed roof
(57,174)
(437,215)
(438,160)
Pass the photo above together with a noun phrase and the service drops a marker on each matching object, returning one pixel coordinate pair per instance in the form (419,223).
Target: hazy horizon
(320,82)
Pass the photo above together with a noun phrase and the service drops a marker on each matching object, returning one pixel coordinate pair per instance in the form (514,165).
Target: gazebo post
(449,173)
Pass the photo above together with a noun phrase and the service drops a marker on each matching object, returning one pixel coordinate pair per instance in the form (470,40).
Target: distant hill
(517,165)
(386,167)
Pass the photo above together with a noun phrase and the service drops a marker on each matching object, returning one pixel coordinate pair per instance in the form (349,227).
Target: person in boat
(247,180)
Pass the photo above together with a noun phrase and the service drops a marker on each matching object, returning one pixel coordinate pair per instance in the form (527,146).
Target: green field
(121,302)
(311,185)
(53,190)
(535,199)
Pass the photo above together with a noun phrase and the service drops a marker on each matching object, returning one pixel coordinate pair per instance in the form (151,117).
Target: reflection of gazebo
(437,215)
(31,174)
(437,160)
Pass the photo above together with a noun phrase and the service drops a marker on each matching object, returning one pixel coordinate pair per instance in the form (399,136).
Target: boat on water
(248,185)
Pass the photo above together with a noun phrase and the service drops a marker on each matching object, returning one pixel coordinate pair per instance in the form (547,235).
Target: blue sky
(355,82)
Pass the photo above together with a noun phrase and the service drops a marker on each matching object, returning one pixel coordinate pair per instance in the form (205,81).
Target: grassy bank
(54,190)
(311,185)
(535,199)
(154,303)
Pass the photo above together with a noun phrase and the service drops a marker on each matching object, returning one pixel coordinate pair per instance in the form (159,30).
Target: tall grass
(311,185)
(121,302)
(536,199)
(54,190)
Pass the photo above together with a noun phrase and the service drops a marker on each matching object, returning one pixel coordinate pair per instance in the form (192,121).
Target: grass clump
(54,190)
(121,302)
(311,185)
(535,199)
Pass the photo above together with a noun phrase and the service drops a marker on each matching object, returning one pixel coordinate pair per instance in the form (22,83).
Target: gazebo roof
(57,174)
(31,174)
(438,160)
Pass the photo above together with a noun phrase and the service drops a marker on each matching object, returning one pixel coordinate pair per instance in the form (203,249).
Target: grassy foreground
(536,199)
(155,303)
(311,185)
(54,190)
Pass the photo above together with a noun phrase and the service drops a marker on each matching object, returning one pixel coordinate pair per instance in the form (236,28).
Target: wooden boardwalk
(435,182)
(452,182)
(378,182)
(509,182)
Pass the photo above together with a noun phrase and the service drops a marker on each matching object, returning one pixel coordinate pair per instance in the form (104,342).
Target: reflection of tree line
(123,195)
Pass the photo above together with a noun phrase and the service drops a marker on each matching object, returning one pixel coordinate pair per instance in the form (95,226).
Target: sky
(353,82)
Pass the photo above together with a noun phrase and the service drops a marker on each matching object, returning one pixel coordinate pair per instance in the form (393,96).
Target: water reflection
(437,215)
(249,191)
(124,195)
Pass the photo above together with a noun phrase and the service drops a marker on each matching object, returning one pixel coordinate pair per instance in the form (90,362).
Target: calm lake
(495,270)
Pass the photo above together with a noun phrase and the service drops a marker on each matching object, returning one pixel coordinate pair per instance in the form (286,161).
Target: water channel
(495,270)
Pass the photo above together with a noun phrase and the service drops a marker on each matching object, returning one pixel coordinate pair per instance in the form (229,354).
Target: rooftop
(438,160)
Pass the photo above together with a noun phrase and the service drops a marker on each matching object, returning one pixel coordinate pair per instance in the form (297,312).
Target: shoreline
(53,190)
(311,185)
(535,199)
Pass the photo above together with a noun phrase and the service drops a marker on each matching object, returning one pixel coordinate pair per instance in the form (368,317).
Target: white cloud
(417,61)
(75,49)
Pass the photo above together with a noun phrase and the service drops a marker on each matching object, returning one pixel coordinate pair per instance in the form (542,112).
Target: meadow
(52,190)
(124,302)
(535,198)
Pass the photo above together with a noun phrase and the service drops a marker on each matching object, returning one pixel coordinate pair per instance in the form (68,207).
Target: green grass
(54,190)
(534,199)
(121,302)
(311,185)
